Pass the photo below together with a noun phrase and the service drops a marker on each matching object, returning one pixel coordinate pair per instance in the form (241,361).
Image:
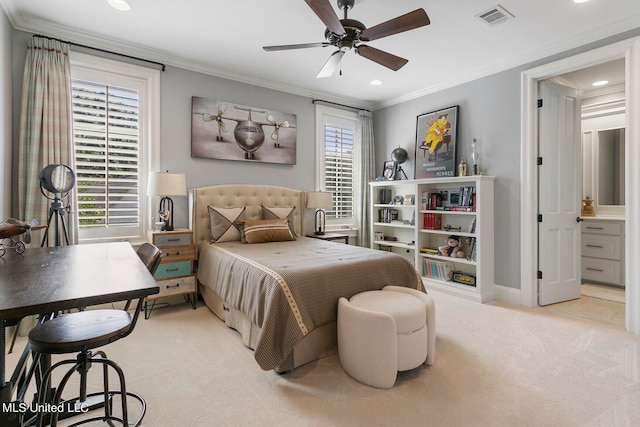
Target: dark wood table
(331,236)
(45,280)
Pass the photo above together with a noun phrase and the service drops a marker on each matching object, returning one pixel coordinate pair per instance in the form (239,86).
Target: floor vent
(495,15)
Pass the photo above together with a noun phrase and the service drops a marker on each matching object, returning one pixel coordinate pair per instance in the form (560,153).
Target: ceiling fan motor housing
(352,29)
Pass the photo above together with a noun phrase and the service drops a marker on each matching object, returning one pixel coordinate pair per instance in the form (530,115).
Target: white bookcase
(413,227)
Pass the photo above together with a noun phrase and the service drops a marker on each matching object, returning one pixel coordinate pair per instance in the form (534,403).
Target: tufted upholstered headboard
(238,195)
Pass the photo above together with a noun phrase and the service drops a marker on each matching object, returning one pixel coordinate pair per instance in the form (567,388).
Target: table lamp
(166,184)
(319,200)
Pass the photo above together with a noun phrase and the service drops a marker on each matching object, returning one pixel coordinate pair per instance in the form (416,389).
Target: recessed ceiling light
(119,4)
(600,83)
(376,82)
(580,1)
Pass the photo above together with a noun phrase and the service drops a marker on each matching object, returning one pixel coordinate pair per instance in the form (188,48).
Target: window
(336,144)
(113,115)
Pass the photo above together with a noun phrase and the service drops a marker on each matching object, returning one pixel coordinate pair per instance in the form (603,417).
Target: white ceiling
(225,38)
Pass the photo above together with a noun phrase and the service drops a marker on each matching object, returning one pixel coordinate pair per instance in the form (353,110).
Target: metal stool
(82,332)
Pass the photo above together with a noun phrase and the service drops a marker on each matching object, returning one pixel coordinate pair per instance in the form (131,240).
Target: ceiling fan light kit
(346,34)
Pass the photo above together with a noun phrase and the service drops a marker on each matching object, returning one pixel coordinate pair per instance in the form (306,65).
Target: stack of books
(432,221)
(438,270)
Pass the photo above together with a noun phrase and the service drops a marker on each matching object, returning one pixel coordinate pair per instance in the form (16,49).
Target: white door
(559,194)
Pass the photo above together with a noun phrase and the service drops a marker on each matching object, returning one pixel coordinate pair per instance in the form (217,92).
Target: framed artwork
(389,170)
(436,134)
(225,130)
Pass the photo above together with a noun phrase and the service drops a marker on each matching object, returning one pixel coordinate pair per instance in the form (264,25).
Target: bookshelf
(417,226)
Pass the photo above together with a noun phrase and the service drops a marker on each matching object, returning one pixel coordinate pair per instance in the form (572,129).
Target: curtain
(45,131)
(366,172)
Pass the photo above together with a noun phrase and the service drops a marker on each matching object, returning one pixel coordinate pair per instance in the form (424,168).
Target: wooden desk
(45,280)
(331,236)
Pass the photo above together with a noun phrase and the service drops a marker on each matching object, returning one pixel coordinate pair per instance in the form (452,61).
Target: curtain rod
(341,105)
(101,50)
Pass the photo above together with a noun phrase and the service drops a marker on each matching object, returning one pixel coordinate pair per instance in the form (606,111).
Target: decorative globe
(399,155)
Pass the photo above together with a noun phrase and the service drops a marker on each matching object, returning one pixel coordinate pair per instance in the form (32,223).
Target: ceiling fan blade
(223,126)
(381,57)
(294,46)
(331,65)
(417,18)
(327,15)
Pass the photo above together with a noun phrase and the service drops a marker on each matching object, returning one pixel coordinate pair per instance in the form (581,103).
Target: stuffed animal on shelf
(453,248)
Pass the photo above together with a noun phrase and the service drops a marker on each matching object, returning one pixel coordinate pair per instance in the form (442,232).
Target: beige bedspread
(290,288)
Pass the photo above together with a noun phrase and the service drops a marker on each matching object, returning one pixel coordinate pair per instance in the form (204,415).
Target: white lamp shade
(166,184)
(319,200)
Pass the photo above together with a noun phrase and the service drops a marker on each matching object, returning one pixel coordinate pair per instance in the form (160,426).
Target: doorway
(600,149)
(630,51)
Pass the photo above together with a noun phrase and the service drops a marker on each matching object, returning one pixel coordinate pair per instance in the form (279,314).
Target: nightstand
(175,275)
(331,236)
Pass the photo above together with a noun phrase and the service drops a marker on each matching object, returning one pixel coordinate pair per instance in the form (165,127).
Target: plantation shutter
(338,169)
(107,149)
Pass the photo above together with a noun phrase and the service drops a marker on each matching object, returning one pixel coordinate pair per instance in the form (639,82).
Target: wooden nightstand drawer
(178,253)
(173,269)
(171,238)
(175,273)
(176,286)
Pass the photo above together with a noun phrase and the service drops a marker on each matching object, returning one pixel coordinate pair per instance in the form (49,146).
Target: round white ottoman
(383,332)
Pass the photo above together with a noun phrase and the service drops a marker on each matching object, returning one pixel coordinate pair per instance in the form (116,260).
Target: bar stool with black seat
(82,332)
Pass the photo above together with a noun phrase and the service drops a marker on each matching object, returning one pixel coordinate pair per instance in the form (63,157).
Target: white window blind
(116,123)
(338,169)
(107,149)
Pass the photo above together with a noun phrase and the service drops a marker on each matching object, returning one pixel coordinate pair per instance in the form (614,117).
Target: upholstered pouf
(383,332)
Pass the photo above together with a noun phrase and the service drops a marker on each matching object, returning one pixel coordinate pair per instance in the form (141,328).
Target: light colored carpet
(496,365)
(603,292)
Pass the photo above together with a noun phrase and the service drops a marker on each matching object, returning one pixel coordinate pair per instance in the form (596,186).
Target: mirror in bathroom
(610,167)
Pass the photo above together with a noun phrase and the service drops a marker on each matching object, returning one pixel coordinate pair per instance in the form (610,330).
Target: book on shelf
(432,221)
(471,249)
(387,215)
(472,227)
(467,197)
(439,270)
(430,251)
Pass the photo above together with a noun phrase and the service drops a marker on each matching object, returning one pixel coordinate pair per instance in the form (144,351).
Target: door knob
(578,219)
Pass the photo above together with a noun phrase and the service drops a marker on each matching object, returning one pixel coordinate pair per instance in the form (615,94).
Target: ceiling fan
(349,34)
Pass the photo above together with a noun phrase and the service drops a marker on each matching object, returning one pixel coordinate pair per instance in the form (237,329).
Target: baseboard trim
(507,294)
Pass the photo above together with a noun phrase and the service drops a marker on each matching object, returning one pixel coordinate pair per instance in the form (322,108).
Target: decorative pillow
(224,223)
(281,213)
(265,230)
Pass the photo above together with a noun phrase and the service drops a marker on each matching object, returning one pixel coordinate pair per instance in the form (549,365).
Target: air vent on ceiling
(495,15)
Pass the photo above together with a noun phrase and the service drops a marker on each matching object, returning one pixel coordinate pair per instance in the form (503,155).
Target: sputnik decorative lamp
(319,200)
(166,184)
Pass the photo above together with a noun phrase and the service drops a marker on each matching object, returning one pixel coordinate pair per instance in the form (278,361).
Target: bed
(280,295)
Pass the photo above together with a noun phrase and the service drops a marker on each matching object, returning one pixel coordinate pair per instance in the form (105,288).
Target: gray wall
(5,117)
(177,88)
(490,111)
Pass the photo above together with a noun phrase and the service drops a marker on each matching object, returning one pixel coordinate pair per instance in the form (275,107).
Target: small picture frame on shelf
(389,170)
(409,199)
